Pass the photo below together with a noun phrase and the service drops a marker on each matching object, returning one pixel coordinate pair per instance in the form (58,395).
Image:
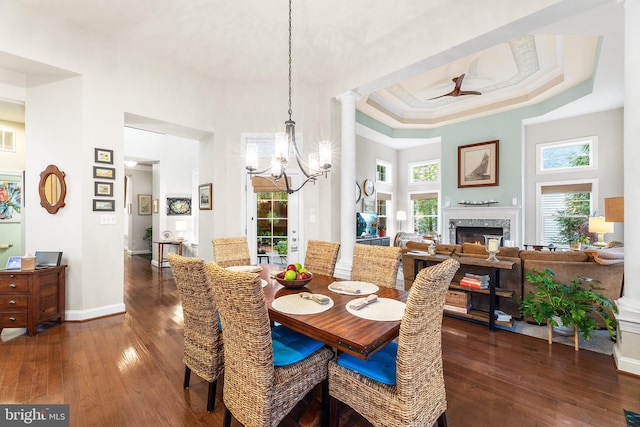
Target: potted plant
(570,305)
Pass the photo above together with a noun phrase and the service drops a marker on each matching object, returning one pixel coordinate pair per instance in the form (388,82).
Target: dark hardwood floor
(126,370)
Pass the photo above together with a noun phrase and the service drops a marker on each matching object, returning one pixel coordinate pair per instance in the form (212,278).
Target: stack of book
(501,316)
(476,281)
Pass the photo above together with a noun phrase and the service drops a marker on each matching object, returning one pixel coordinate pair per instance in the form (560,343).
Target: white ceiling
(524,62)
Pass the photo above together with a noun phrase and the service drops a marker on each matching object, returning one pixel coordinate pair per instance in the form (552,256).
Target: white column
(627,348)
(347,184)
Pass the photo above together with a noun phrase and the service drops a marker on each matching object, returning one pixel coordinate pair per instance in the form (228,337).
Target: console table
(30,298)
(161,245)
(421,260)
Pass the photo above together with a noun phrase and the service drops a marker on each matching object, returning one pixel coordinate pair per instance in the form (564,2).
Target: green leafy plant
(573,304)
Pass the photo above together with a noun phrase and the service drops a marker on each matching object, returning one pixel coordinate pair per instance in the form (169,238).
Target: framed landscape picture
(104,205)
(104,173)
(204,196)
(103,189)
(478,164)
(103,156)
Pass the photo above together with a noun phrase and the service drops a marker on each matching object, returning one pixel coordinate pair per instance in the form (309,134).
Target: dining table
(336,326)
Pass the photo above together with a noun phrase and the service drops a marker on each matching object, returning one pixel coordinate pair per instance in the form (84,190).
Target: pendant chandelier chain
(290,111)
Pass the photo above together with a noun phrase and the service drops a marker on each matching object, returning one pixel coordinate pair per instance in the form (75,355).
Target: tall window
(425,212)
(565,210)
(382,209)
(576,154)
(383,171)
(424,172)
(7,140)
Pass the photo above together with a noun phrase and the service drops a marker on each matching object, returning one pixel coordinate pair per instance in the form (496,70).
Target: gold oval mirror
(52,189)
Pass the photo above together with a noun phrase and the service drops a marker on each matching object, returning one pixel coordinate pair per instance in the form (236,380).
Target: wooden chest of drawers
(30,298)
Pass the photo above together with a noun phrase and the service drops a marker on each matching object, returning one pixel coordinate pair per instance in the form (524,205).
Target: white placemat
(264,282)
(385,309)
(245,268)
(295,304)
(365,288)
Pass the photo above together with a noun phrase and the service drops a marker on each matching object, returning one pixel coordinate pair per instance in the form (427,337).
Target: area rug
(600,341)
(633,419)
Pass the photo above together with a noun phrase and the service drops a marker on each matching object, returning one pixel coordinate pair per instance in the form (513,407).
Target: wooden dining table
(335,327)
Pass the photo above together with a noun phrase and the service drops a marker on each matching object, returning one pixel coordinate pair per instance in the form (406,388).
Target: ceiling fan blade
(470,92)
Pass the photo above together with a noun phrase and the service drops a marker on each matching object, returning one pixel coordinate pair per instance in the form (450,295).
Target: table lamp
(180,227)
(401,216)
(598,225)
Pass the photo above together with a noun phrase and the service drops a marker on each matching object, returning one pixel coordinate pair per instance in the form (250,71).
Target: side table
(161,245)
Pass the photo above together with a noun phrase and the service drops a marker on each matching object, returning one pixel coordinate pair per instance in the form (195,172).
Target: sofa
(606,266)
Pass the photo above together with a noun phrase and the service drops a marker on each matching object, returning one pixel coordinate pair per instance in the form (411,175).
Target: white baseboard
(626,364)
(81,315)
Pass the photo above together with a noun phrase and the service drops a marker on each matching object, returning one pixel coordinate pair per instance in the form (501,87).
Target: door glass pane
(272,240)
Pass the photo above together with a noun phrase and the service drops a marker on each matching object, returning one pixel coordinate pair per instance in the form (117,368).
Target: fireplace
(496,220)
(476,234)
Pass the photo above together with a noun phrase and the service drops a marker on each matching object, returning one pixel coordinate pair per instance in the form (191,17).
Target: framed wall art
(204,196)
(104,189)
(178,206)
(11,201)
(368,205)
(103,156)
(478,164)
(144,204)
(104,173)
(104,205)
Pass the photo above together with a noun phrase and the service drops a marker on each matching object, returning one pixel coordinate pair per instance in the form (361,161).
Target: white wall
(608,127)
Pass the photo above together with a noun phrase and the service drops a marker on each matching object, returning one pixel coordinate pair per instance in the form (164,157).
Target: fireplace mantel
(452,216)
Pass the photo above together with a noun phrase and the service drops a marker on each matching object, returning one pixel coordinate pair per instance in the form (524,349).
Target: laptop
(14,263)
(48,259)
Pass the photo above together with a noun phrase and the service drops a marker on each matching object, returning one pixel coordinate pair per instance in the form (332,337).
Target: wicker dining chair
(256,391)
(408,389)
(376,264)
(230,251)
(203,348)
(321,257)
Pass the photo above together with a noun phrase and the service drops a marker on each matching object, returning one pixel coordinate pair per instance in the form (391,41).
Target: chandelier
(317,165)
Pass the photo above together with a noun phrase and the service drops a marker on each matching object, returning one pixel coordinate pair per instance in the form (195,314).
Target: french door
(272,224)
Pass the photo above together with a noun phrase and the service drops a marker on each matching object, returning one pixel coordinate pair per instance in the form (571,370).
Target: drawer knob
(13,319)
(13,285)
(12,301)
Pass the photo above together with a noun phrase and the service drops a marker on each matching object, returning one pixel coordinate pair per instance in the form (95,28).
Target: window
(7,140)
(382,209)
(425,212)
(565,211)
(577,154)
(383,171)
(424,172)
(272,214)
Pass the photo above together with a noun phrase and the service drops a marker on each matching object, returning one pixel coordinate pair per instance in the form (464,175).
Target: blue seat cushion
(381,366)
(290,346)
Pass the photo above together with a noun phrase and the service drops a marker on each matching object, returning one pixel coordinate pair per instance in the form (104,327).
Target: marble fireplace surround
(505,217)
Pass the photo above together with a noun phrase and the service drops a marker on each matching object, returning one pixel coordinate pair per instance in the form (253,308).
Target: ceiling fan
(456,90)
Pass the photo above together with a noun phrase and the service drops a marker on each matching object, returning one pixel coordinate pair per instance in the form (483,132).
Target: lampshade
(614,209)
(401,216)
(597,224)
